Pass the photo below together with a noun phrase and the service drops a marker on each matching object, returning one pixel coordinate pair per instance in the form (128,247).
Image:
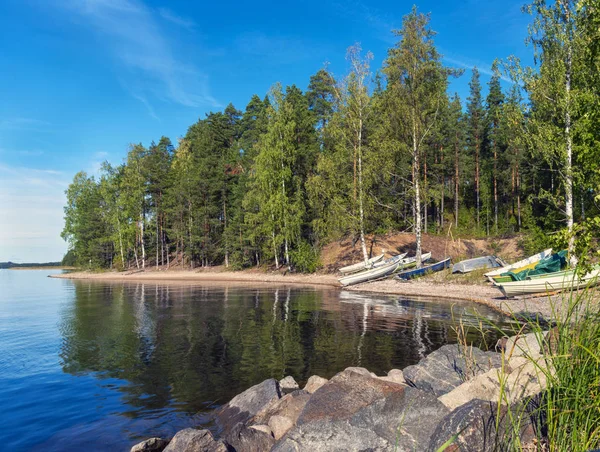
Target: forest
(370,152)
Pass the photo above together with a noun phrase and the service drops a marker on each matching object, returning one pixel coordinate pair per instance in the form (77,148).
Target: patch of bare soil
(347,251)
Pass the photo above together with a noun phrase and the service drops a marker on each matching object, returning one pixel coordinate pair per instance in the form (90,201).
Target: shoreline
(423,288)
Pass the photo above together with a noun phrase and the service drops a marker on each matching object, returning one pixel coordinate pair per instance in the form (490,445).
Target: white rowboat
(552,284)
(530,260)
(382,269)
(361,265)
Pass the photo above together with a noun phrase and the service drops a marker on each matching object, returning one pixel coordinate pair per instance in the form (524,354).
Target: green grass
(568,412)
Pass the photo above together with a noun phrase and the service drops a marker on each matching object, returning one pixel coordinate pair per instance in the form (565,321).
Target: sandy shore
(483,294)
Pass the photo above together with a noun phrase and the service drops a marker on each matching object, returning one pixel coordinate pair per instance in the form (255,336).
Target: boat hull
(361,265)
(477,263)
(376,273)
(522,263)
(558,283)
(438,266)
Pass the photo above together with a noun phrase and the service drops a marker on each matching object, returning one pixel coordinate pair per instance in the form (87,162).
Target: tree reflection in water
(190,348)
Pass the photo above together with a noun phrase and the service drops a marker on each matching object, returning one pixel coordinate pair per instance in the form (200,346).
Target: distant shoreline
(42,267)
(423,288)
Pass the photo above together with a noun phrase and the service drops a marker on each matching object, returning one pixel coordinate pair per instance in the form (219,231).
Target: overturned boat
(477,263)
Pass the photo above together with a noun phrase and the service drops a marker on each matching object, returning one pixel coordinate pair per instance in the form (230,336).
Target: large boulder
(355,411)
(247,404)
(526,379)
(479,426)
(290,406)
(249,439)
(191,440)
(450,366)
(151,445)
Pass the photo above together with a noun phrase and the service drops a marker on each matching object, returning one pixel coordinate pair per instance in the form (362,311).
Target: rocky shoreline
(457,394)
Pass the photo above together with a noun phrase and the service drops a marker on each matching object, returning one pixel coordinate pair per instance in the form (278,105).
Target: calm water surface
(99,366)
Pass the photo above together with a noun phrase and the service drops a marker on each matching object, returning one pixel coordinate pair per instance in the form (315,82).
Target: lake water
(100,366)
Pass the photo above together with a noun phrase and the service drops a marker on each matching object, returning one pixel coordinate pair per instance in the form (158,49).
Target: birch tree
(417,83)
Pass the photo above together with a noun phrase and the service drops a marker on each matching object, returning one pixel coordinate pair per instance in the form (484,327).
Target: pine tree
(475,119)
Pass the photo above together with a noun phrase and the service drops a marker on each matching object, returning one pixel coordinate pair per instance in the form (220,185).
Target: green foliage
(305,258)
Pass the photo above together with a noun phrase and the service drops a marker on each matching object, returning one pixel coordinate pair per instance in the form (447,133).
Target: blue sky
(81,79)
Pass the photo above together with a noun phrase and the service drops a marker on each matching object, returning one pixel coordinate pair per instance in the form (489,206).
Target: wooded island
(370,152)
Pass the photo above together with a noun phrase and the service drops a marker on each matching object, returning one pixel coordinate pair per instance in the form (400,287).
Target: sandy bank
(482,294)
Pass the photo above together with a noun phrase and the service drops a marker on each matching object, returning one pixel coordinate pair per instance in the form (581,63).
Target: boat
(563,281)
(381,270)
(469,265)
(517,265)
(410,262)
(438,266)
(361,265)
(549,265)
(506,279)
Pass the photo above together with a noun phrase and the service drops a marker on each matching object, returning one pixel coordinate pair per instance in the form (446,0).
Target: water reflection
(191,348)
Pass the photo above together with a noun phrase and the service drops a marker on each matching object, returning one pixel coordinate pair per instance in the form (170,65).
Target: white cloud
(170,16)
(467,63)
(31,214)
(135,37)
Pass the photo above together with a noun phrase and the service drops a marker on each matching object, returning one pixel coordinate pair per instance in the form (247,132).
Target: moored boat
(361,265)
(410,262)
(564,281)
(381,270)
(476,263)
(517,265)
(438,266)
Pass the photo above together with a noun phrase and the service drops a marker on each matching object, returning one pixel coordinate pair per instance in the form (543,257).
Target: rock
(247,404)
(475,426)
(448,367)
(394,376)
(525,345)
(280,425)
(525,379)
(262,428)
(314,383)
(151,445)
(249,439)
(325,436)
(288,384)
(290,406)
(360,370)
(345,394)
(402,419)
(191,440)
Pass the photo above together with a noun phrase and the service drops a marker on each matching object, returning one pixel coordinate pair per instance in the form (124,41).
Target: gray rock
(354,411)
(475,426)
(280,425)
(345,394)
(394,376)
(314,383)
(450,366)
(288,384)
(248,439)
(525,345)
(326,436)
(290,406)
(247,404)
(361,370)
(191,440)
(150,445)
(263,428)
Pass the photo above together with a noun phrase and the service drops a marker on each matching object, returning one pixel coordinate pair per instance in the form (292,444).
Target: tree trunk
(225,230)
(363,244)
(157,239)
(417,199)
(518,182)
(569,156)
(495,188)
(275,250)
(477,202)
(443,189)
(456,181)
(425,192)
(142,241)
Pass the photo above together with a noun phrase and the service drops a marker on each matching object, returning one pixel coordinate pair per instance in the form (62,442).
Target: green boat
(562,273)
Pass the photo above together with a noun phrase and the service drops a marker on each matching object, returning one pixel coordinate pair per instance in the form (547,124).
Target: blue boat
(415,273)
